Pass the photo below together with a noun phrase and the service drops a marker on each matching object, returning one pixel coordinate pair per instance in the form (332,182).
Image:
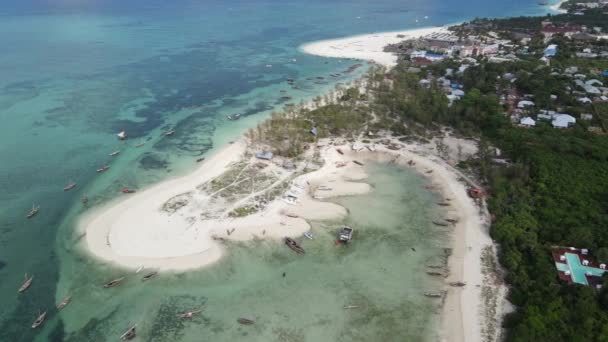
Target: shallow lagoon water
(74,73)
(383,272)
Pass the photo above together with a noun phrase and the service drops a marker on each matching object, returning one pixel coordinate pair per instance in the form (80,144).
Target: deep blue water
(75,72)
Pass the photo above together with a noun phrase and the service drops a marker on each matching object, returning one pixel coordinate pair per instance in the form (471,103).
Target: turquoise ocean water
(76,72)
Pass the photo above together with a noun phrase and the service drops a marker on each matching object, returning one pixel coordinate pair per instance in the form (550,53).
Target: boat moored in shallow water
(293,244)
(64,302)
(113,283)
(26,283)
(103,169)
(70,186)
(245,321)
(129,334)
(33,212)
(149,276)
(345,234)
(39,320)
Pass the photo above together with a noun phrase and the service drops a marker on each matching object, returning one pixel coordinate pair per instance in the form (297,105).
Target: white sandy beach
(135,231)
(369,47)
(556,7)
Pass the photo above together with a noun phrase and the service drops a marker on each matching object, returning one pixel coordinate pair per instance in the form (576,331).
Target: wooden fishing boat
(70,186)
(189,314)
(103,169)
(434,273)
(339,151)
(347,307)
(200,160)
(439,223)
(245,321)
(443,204)
(169,133)
(115,153)
(358,162)
(39,320)
(126,190)
(113,283)
(140,144)
(129,334)
(64,302)
(149,276)
(457,284)
(433,294)
(26,283)
(293,244)
(429,171)
(292,215)
(452,220)
(139,269)
(33,212)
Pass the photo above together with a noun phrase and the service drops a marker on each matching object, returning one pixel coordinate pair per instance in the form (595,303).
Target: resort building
(577,266)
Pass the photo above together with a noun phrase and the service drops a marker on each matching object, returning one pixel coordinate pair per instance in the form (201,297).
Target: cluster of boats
(344,236)
(128,335)
(105,167)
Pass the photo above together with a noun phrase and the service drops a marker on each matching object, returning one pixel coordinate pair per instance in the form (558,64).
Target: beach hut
(527,121)
(585,262)
(567,273)
(603,266)
(265,155)
(584,100)
(313,131)
(584,251)
(562,258)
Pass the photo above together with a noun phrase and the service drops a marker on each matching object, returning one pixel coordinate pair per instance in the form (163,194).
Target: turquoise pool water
(578,270)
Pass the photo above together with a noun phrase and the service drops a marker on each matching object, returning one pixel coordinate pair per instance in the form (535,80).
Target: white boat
(139,269)
(122,135)
(345,234)
(308,235)
(39,320)
(115,153)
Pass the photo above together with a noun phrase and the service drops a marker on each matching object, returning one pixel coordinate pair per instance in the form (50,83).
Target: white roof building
(458,92)
(584,100)
(527,121)
(525,103)
(563,121)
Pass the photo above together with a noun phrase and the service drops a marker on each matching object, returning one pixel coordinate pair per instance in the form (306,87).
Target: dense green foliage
(555,191)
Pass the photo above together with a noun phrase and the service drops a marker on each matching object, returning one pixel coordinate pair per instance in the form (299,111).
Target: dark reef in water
(150,161)
(2,264)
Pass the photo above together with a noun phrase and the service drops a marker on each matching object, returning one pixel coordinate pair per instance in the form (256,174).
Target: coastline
(556,7)
(112,230)
(369,47)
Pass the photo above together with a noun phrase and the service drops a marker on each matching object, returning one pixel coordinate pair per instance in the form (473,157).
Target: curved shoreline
(369,47)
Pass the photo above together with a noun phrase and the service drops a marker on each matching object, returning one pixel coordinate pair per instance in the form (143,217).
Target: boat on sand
(293,244)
